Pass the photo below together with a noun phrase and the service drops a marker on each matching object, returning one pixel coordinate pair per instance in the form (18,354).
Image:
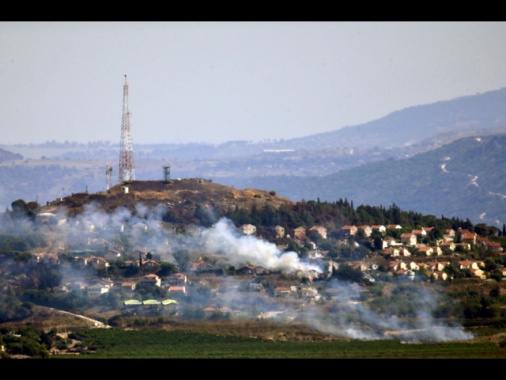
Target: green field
(149,344)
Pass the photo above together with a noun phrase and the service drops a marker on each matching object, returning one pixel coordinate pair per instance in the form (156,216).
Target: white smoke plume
(355,320)
(346,315)
(222,238)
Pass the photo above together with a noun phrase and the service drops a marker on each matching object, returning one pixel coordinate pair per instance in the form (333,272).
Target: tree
(347,273)
(378,243)
(166,269)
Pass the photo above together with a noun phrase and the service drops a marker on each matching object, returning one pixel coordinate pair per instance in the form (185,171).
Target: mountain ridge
(462,179)
(75,168)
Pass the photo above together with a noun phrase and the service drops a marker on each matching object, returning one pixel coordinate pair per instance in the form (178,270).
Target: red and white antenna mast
(126,153)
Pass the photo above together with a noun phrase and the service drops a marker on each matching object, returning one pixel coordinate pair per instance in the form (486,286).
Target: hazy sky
(220,81)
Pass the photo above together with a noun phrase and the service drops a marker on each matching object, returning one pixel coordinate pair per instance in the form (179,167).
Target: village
(210,285)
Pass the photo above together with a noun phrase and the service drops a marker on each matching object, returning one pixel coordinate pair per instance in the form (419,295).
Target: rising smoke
(223,238)
(344,315)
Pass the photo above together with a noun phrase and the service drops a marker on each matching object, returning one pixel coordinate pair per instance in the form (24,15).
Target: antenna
(126,155)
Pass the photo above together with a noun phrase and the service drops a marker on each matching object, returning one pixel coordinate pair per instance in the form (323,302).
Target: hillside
(461,179)
(52,170)
(412,125)
(183,197)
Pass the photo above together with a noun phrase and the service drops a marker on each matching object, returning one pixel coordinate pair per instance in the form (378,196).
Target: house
(256,284)
(465,246)
(349,230)
(128,286)
(308,292)
(107,282)
(397,265)
(225,310)
(201,266)
(112,254)
(282,291)
(208,311)
(419,232)
(437,266)
(437,250)
(478,273)
(149,280)
(322,231)
(409,274)
(299,233)
(394,252)
(96,290)
(47,258)
(360,266)
(466,236)
(98,262)
(491,246)
(315,254)
(437,275)
(248,229)
(450,232)
(390,252)
(409,239)
(279,232)
(367,230)
(176,279)
(403,251)
(384,243)
(177,290)
(494,247)
(391,242)
(447,246)
(424,250)
(469,264)
(379,228)
(394,227)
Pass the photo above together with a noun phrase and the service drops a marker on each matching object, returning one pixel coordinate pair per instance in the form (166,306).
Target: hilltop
(183,197)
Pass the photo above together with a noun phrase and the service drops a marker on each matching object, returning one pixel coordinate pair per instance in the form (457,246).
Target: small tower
(126,155)
(166,173)
(108,176)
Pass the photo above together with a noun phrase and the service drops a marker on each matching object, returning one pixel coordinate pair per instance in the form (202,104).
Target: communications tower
(126,154)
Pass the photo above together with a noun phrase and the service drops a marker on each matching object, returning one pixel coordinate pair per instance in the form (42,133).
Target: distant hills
(437,123)
(396,159)
(462,179)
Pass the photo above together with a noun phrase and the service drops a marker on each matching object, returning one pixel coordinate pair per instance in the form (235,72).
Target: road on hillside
(95,322)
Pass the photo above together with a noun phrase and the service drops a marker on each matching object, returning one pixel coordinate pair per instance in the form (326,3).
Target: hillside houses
(322,231)
(371,253)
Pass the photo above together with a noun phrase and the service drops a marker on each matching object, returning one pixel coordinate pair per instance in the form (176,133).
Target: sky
(213,82)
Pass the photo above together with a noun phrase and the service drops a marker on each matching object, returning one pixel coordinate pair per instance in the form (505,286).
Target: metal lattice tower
(126,154)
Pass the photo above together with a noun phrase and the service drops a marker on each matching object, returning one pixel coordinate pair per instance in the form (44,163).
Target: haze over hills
(364,163)
(462,179)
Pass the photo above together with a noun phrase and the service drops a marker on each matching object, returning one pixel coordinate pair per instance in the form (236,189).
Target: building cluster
(405,257)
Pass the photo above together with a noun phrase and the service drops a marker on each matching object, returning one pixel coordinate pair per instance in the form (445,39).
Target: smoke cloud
(222,238)
(342,315)
(354,319)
